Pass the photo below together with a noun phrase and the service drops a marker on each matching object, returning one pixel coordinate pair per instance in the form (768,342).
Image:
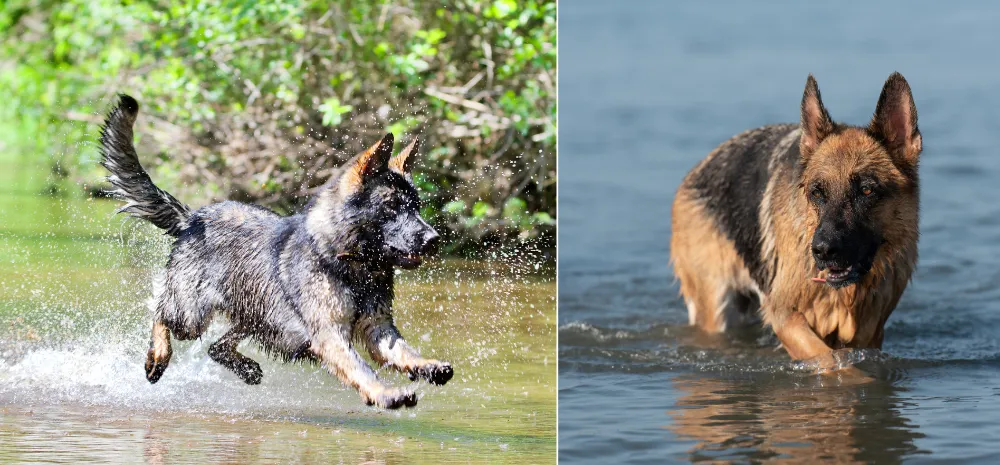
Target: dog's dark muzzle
(844,258)
(431,241)
(427,244)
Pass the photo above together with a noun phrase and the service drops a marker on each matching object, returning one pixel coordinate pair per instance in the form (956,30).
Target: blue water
(647,89)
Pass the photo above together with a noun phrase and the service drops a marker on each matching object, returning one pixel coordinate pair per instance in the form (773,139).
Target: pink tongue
(818,280)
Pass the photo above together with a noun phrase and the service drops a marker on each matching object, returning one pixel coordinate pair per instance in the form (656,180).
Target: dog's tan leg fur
(158,356)
(387,347)
(798,338)
(333,348)
(802,343)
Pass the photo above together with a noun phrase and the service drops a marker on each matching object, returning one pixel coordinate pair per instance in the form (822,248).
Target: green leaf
(515,211)
(454,207)
(480,209)
(333,111)
(543,218)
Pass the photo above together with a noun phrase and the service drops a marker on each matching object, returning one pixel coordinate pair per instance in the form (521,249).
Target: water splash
(659,348)
(79,334)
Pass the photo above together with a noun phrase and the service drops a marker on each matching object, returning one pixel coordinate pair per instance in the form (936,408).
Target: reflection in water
(154,449)
(74,434)
(768,417)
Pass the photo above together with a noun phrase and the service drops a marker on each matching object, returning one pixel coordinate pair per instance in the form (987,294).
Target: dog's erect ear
(895,120)
(816,123)
(367,164)
(403,162)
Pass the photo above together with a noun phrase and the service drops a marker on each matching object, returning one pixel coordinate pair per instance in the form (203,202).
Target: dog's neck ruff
(350,266)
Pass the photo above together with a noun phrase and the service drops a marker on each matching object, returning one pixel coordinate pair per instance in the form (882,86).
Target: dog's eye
(867,190)
(816,193)
(394,204)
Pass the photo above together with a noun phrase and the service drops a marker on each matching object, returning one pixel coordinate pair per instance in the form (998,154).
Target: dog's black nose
(824,250)
(431,242)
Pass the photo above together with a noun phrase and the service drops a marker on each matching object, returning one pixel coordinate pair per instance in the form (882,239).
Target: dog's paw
(155,365)
(392,399)
(435,372)
(832,361)
(249,371)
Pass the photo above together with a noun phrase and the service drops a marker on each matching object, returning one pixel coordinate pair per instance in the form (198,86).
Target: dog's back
(731,186)
(227,258)
(718,231)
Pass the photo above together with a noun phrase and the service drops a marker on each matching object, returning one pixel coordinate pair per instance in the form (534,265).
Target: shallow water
(73,331)
(647,90)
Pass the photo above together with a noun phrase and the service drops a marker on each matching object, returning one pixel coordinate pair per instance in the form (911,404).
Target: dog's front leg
(332,347)
(387,347)
(798,338)
(802,343)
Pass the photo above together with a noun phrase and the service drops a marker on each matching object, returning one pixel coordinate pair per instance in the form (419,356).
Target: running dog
(810,227)
(303,286)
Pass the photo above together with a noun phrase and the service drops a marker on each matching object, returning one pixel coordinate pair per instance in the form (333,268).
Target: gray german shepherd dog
(303,286)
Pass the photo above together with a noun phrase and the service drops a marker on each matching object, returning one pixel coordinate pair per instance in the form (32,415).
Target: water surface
(648,88)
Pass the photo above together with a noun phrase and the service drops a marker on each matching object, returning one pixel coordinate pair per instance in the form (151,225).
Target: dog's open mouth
(836,276)
(408,261)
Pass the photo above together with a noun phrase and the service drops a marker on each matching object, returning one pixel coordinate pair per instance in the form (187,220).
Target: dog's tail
(131,183)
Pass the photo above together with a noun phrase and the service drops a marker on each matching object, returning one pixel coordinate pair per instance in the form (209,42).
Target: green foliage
(333,111)
(258,101)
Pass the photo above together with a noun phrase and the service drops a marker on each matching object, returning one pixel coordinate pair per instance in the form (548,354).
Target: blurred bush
(257,101)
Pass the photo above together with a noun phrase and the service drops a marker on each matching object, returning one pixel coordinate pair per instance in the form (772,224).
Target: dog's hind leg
(332,347)
(170,318)
(158,356)
(715,282)
(387,347)
(224,352)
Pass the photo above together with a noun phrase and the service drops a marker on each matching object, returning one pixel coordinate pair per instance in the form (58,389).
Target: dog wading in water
(810,227)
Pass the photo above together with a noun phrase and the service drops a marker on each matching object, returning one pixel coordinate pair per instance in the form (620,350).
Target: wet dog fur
(304,287)
(810,228)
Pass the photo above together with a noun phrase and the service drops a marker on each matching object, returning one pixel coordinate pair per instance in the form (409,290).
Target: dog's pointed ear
(403,162)
(816,123)
(367,164)
(895,120)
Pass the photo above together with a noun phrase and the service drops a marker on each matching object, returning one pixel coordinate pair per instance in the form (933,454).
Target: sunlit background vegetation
(257,101)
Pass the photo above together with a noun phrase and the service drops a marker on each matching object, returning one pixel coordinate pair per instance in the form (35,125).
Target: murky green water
(74,327)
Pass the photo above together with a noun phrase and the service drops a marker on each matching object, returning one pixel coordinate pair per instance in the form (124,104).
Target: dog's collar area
(337,260)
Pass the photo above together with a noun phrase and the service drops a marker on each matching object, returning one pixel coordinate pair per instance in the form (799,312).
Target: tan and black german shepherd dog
(305,286)
(811,227)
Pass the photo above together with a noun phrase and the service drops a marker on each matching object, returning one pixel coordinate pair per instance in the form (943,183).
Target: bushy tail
(130,181)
